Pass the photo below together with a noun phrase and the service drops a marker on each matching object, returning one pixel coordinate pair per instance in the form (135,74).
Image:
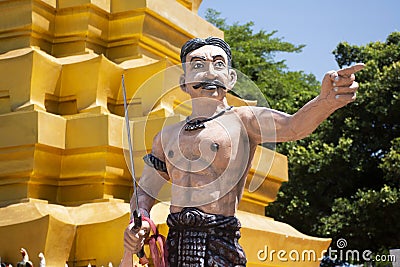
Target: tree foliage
(373,123)
(344,178)
(348,171)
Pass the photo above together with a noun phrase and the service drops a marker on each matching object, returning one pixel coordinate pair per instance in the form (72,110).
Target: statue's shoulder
(244,111)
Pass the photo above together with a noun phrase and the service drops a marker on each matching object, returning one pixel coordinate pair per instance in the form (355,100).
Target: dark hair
(196,43)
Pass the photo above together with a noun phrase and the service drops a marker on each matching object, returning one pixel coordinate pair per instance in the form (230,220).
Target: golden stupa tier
(118,29)
(64,181)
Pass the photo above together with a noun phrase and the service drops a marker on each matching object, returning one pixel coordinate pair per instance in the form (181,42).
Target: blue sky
(320,25)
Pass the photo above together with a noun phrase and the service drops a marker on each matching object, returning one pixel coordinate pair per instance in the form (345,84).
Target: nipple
(214,147)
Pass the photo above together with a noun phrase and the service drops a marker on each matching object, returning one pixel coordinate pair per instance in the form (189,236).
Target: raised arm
(337,90)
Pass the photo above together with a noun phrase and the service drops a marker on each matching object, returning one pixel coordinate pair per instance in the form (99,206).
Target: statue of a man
(207,157)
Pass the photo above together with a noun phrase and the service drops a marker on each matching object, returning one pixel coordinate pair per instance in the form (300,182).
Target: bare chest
(214,146)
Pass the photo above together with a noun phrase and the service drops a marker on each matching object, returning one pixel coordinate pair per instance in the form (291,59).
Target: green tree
(344,178)
(373,125)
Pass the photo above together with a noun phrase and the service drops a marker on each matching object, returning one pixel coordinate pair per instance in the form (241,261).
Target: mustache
(205,84)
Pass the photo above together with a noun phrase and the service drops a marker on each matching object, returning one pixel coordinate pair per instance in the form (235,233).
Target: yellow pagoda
(64,182)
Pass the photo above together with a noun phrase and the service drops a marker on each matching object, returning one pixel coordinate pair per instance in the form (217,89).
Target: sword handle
(142,257)
(137,220)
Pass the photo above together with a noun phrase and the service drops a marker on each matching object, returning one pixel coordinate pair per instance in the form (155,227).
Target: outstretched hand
(339,87)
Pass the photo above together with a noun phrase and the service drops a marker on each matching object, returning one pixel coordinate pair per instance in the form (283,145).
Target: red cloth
(157,245)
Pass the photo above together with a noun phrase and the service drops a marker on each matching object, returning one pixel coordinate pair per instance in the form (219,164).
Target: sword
(137,218)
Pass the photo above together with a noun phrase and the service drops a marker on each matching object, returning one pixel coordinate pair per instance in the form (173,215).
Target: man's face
(207,73)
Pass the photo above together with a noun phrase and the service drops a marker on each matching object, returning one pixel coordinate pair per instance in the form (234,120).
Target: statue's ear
(182,83)
(232,79)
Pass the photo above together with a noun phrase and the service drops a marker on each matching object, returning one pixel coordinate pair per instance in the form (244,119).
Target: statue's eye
(198,65)
(219,64)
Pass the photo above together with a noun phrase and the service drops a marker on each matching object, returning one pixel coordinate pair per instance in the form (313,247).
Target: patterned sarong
(197,238)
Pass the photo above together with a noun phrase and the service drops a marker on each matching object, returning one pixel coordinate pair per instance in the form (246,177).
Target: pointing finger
(350,70)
